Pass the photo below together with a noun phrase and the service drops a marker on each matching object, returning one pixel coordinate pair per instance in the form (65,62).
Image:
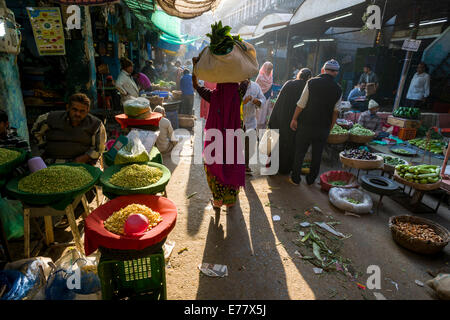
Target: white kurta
(249,109)
(126,86)
(419,87)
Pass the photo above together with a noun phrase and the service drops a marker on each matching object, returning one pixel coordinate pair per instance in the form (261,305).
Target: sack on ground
(25,279)
(240,64)
(12,218)
(352,200)
(133,152)
(148,138)
(137,108)
(441,285)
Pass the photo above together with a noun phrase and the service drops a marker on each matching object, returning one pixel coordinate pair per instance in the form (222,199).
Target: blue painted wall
(11,99)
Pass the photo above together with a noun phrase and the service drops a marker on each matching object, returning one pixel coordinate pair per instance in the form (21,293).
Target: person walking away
(356,96)
(317,111)
(253,99)
(204,105)
(125,84)
(166,140)
(370,79)
(224,180)
(187,93)
(370,120)
(265,81)
(282,115)
(419,89)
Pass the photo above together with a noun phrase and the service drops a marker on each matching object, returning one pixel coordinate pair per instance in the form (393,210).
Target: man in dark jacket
(318,111)
(70,136)
(281,117)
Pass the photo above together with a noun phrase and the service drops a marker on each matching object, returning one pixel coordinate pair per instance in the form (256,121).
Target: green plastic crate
(136,279)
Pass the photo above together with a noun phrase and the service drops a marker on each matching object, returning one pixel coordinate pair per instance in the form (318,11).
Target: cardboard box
(404,123)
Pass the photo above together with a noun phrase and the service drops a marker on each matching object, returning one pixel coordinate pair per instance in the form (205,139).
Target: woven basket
(360,139)
(186,121)
(156,101)
(337,138)
(414,244)
(362,164)
(176,94)
(417,186)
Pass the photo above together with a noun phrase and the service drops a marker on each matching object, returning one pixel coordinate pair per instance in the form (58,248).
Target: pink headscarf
(224,113)
(265,77)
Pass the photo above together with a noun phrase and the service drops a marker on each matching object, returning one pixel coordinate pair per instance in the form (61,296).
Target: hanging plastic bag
(148,138)
(137,108)
(25,279)
(11,214)
(133,152)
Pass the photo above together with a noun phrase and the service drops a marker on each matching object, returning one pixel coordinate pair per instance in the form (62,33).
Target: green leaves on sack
(222,41)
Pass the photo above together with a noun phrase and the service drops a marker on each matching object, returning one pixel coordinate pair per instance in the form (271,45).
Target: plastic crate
(407,134)
(136,279)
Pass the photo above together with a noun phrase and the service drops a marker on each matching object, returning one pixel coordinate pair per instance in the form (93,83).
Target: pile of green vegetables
(7,155)
(401,151)
(407,113)
(338,183)
(55,179)
(392,161)
(222,41)
(422,174)
(359,130)
(337,129)
(435,145)
(136,176)
(354,201)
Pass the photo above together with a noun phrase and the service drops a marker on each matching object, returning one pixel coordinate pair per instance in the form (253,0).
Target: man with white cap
(317,111)
(370,120)
(166,138)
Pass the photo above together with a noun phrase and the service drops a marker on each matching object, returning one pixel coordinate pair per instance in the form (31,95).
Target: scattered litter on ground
(213,270)
(393,282)
(191,195)
(276,218)
(317,209)
(298,216)
(301,233)
(305,224)
(352,214)
(242,268)
(168,248)
(209,207)
(325,226)
(361,286)
(379,296)
(182,250)
(298,254)
(419,283)
(318,270)
(307,213)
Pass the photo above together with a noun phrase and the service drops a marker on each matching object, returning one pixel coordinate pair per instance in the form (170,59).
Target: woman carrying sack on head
(265,81)
(228,61)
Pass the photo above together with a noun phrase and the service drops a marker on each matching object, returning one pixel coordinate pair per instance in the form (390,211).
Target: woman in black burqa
(282,115)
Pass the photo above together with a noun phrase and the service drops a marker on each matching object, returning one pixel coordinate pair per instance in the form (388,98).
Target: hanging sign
(48,30)
(411,45)
(87,2)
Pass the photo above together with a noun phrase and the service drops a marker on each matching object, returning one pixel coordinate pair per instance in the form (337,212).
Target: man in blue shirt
(358,92)
(187,93)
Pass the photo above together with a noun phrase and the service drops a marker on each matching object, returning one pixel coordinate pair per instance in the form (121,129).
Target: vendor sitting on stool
(70,136)
(166,139)
(356,97)
(370,120)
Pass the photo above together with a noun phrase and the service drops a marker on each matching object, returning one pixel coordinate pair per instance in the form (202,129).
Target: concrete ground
(260,252)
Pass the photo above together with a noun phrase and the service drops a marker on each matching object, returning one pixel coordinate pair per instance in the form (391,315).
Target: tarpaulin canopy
(168,24)
(142,9)
(182,40)
(167,45)
(188,9)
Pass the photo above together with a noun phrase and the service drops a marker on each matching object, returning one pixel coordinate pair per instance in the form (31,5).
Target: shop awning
(272,22)
(311,9)
(142,10)
(246,32)
(168,24)
(163,44)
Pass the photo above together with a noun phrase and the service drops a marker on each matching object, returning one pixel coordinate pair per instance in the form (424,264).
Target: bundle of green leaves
(222,41)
